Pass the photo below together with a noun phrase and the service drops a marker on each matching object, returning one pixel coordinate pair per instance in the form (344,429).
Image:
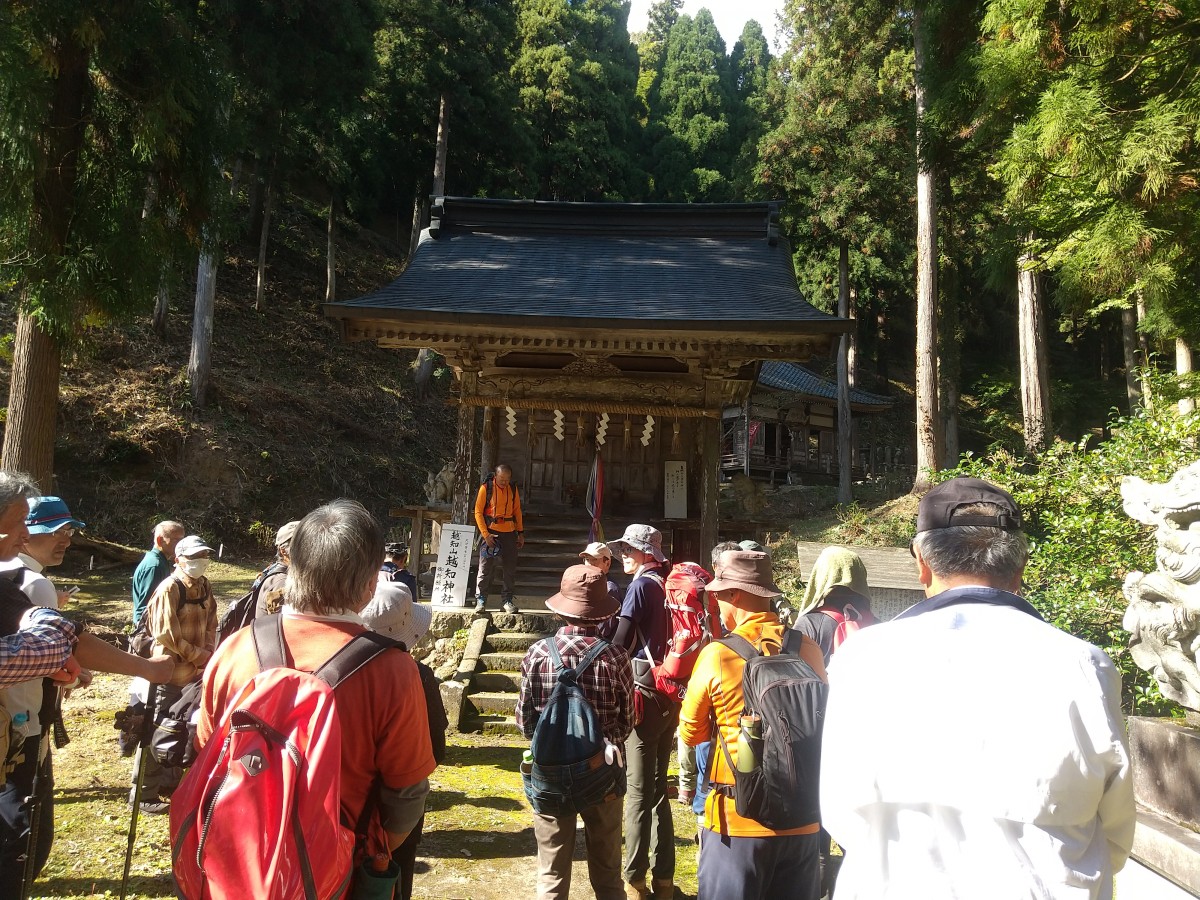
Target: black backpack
(781,791)
(241,611)
(141,642)
(569,772)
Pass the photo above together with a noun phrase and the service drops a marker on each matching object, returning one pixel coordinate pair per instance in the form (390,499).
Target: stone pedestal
(1166,784)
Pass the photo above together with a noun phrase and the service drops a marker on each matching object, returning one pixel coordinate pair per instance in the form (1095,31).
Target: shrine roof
(795,379)
(615,265)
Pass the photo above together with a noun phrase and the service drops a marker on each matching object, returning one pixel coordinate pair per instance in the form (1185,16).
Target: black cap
(396,549)
(939,508)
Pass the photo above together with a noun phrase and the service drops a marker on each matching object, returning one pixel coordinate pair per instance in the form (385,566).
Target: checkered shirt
(607,683)
(40,648)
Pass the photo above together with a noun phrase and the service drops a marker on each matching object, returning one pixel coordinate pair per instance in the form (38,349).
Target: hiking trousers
(506,559)
(14,820)
(784,867)
(556,848)
(649,830)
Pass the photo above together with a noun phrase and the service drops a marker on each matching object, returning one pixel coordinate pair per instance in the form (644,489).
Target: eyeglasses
(68,531)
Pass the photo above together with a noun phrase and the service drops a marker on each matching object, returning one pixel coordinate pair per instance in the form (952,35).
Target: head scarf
(835,566)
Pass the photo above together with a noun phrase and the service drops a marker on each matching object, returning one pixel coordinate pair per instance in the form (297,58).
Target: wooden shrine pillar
(462,512)
(710,474)
(489,444)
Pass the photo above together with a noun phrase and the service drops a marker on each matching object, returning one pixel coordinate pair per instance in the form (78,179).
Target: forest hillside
(295,416)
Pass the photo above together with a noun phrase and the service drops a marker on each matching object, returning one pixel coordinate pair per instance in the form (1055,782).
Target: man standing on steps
(502,530)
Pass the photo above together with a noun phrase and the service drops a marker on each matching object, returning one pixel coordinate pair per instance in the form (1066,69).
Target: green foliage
(1103,153)
(857,525)
(1082,543)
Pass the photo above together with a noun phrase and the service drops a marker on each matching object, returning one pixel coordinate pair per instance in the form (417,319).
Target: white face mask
(193,568)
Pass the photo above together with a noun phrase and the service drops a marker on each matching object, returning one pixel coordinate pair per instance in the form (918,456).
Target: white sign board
(453,566)
(675,489)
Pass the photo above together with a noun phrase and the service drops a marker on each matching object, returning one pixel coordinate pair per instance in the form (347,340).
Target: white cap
(597,549)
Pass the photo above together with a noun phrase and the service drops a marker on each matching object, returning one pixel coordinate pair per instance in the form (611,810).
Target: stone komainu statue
(1163,615)
(439,488)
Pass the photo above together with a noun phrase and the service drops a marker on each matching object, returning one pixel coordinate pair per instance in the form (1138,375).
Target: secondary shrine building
(599,342)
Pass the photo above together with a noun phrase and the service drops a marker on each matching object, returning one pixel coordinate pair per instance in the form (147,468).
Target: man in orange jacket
(502,528)
(740,857)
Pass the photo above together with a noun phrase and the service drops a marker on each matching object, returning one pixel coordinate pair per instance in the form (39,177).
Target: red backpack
(259,813)
(849,620)
(688,629)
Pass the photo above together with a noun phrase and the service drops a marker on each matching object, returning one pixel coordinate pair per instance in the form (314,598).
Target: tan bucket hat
(583,594)
(747,570)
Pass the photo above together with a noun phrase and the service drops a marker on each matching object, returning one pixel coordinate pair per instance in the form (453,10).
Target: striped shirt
(607,683)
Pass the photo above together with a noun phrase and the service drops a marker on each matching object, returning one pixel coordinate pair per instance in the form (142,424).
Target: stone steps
(493,702)
(508,661)
(498,681)
(512,641)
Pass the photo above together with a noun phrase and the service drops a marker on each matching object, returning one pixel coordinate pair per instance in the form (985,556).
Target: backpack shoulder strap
(555,657)
(590,657)
(833,613)
(792,641)
(361,649)
(267,633)
(740,646)
(176,583)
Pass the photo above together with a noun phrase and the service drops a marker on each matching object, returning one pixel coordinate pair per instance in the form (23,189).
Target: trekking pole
(33,803)
(143,749)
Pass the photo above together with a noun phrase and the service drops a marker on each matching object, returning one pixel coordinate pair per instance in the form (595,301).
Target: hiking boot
(686,797)
(664,889)
(154,807)
(636,890)
(509,607)
(480,603)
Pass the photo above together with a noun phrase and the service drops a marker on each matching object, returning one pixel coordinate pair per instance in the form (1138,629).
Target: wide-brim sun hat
(645,538)
(393,614)
(49,514)
(283,537)
(583,595)
(745,570)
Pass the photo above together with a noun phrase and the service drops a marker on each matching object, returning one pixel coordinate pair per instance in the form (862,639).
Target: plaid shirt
(607,683)
(40,648)
(186,632)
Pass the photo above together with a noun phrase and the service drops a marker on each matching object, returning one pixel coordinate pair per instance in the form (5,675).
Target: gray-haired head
(16,486)
(335,554)
(721,548)
(983,550)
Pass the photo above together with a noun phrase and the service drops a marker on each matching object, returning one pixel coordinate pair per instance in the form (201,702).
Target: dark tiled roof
(666,262)
(785,376)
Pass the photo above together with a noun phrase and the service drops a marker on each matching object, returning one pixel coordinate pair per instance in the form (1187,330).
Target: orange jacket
(505,508)
(715,691)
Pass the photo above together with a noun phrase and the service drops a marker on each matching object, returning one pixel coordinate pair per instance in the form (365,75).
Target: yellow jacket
(715,691)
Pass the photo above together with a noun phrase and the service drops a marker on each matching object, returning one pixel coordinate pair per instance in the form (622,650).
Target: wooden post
(710,469)
(488,443)
(464,453)
(416,543)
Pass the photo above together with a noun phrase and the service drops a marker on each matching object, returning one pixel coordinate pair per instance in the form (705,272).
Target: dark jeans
(759,868)
(649,831)
(14,820)
(506,558)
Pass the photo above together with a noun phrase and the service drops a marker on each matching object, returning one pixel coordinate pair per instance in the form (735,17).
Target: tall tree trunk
(423,369)
(929,439)
(852,353)
(443,146)
(162,302)
(418,222)
(1183,366)
(1035,366)
(1129,345)
(200,362)
(264,236)
(32,403)
(33,388)
(1144,347)
(845,434)
(331,247)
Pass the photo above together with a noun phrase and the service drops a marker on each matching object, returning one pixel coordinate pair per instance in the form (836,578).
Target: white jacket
(972,751)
